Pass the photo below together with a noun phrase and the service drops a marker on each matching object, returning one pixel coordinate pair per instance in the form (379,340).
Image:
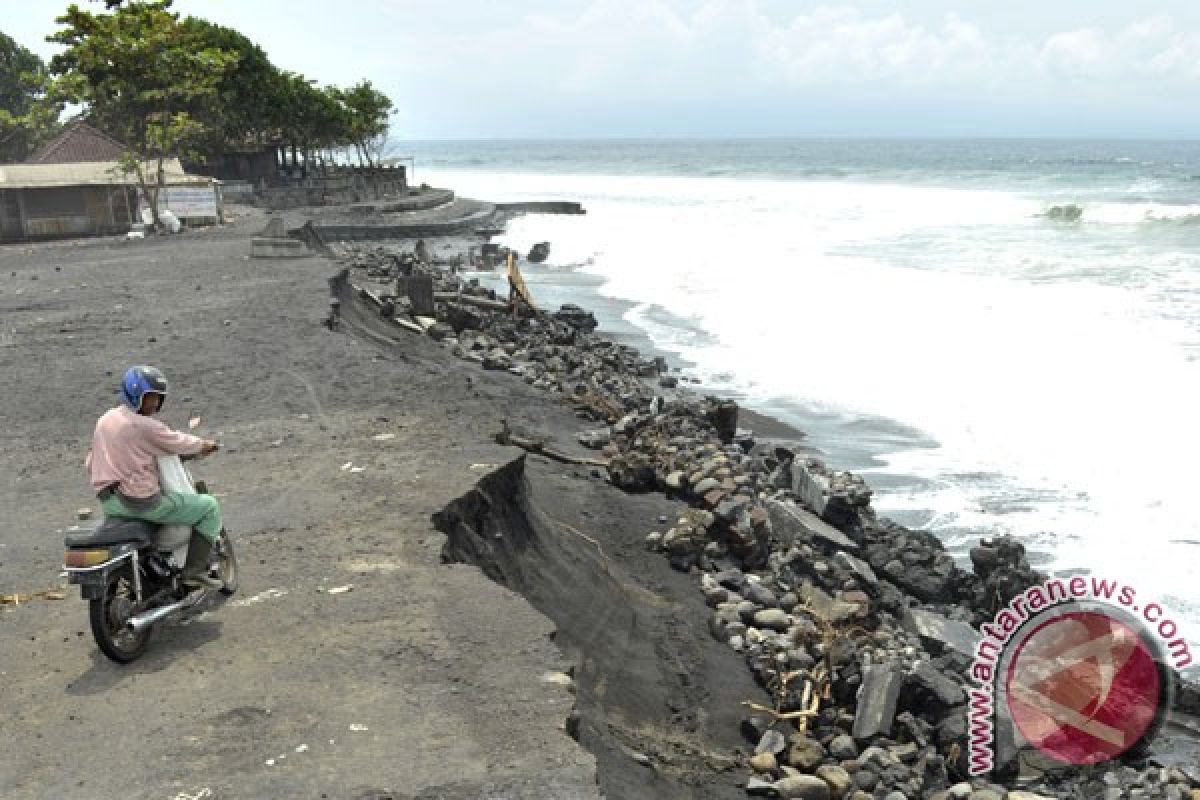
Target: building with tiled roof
(76,185)
(78,143)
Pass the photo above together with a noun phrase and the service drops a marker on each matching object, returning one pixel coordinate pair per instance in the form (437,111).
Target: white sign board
(189,202)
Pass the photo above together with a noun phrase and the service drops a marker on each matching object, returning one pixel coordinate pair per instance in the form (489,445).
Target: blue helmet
(140,380)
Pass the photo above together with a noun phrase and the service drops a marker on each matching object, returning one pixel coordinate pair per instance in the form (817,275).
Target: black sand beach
(507,633)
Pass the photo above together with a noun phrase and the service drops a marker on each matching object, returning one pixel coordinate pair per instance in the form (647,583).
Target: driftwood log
(471,300)
(441,297)
(506,436)
(597,404)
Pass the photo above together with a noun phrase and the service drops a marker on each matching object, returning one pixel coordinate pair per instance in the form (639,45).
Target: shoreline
(930,581)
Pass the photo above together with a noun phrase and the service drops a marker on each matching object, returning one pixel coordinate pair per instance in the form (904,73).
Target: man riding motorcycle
(124,472)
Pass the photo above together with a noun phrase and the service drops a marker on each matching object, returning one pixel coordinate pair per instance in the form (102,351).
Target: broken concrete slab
(948,692)
(859,568)
(877,700)
(941,632)
(810,486)
(790,522)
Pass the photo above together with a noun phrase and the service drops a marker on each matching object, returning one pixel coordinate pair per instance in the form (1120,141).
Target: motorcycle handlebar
(194,456)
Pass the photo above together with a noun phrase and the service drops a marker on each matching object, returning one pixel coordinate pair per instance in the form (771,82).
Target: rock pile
(859,629)
(384,262)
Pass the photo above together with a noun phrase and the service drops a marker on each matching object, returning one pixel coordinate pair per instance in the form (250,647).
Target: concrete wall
(415,200)
(542,207)
(238,192)
(333,233)
(337,187)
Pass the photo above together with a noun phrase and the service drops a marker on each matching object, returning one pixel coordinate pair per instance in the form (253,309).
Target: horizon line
(809,137)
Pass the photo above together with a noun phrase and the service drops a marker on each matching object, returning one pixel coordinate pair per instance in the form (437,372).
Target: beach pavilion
(75,186)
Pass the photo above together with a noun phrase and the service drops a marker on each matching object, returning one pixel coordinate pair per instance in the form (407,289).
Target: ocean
(1002,336)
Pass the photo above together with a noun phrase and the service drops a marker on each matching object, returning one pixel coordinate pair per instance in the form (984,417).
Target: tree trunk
(160,183)
(150,194)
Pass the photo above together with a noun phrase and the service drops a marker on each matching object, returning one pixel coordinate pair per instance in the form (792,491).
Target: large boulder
(461,316)
(576,317)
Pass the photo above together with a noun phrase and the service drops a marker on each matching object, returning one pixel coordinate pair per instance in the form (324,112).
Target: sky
(478,69)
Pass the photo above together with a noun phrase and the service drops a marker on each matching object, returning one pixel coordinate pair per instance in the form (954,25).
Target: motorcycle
(130,571)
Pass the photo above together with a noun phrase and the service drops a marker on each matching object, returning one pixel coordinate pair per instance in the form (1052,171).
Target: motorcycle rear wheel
(109,616)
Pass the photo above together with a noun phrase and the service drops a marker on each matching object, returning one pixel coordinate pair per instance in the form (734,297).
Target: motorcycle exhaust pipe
(139,622)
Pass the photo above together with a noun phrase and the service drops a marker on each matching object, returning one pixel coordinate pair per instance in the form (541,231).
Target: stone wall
(336,187)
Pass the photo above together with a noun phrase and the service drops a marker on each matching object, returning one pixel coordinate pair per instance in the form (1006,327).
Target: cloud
(613,67)
(624,50)
(1147,50)
(841,46)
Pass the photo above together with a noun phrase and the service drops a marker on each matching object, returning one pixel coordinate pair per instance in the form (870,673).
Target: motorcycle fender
(93,582)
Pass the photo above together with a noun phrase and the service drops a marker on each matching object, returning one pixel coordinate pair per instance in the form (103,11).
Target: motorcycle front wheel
(109,616)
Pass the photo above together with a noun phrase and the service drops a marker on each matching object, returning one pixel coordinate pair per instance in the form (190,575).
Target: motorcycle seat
(113,530)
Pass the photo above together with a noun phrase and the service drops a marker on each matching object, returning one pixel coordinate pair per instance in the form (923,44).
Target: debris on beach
(16,599)
(266,594)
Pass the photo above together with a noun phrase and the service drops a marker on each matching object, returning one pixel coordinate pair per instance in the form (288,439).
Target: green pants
(200,511)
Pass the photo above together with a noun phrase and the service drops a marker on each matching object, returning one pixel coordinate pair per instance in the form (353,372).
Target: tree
(240,113)
(306,117)
(370,112)
(27,116)
(143,77)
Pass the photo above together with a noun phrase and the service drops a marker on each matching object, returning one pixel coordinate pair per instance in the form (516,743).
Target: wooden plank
(517,283)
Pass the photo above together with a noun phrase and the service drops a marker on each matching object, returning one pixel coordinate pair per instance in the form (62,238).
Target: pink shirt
(124,447)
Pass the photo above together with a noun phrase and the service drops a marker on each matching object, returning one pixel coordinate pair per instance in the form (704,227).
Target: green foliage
(255,102)
(191,88)
(240,111)
(27,116)
(370,110)
(143,77)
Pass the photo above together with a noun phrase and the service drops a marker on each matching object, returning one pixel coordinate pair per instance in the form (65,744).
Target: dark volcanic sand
(442,666)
